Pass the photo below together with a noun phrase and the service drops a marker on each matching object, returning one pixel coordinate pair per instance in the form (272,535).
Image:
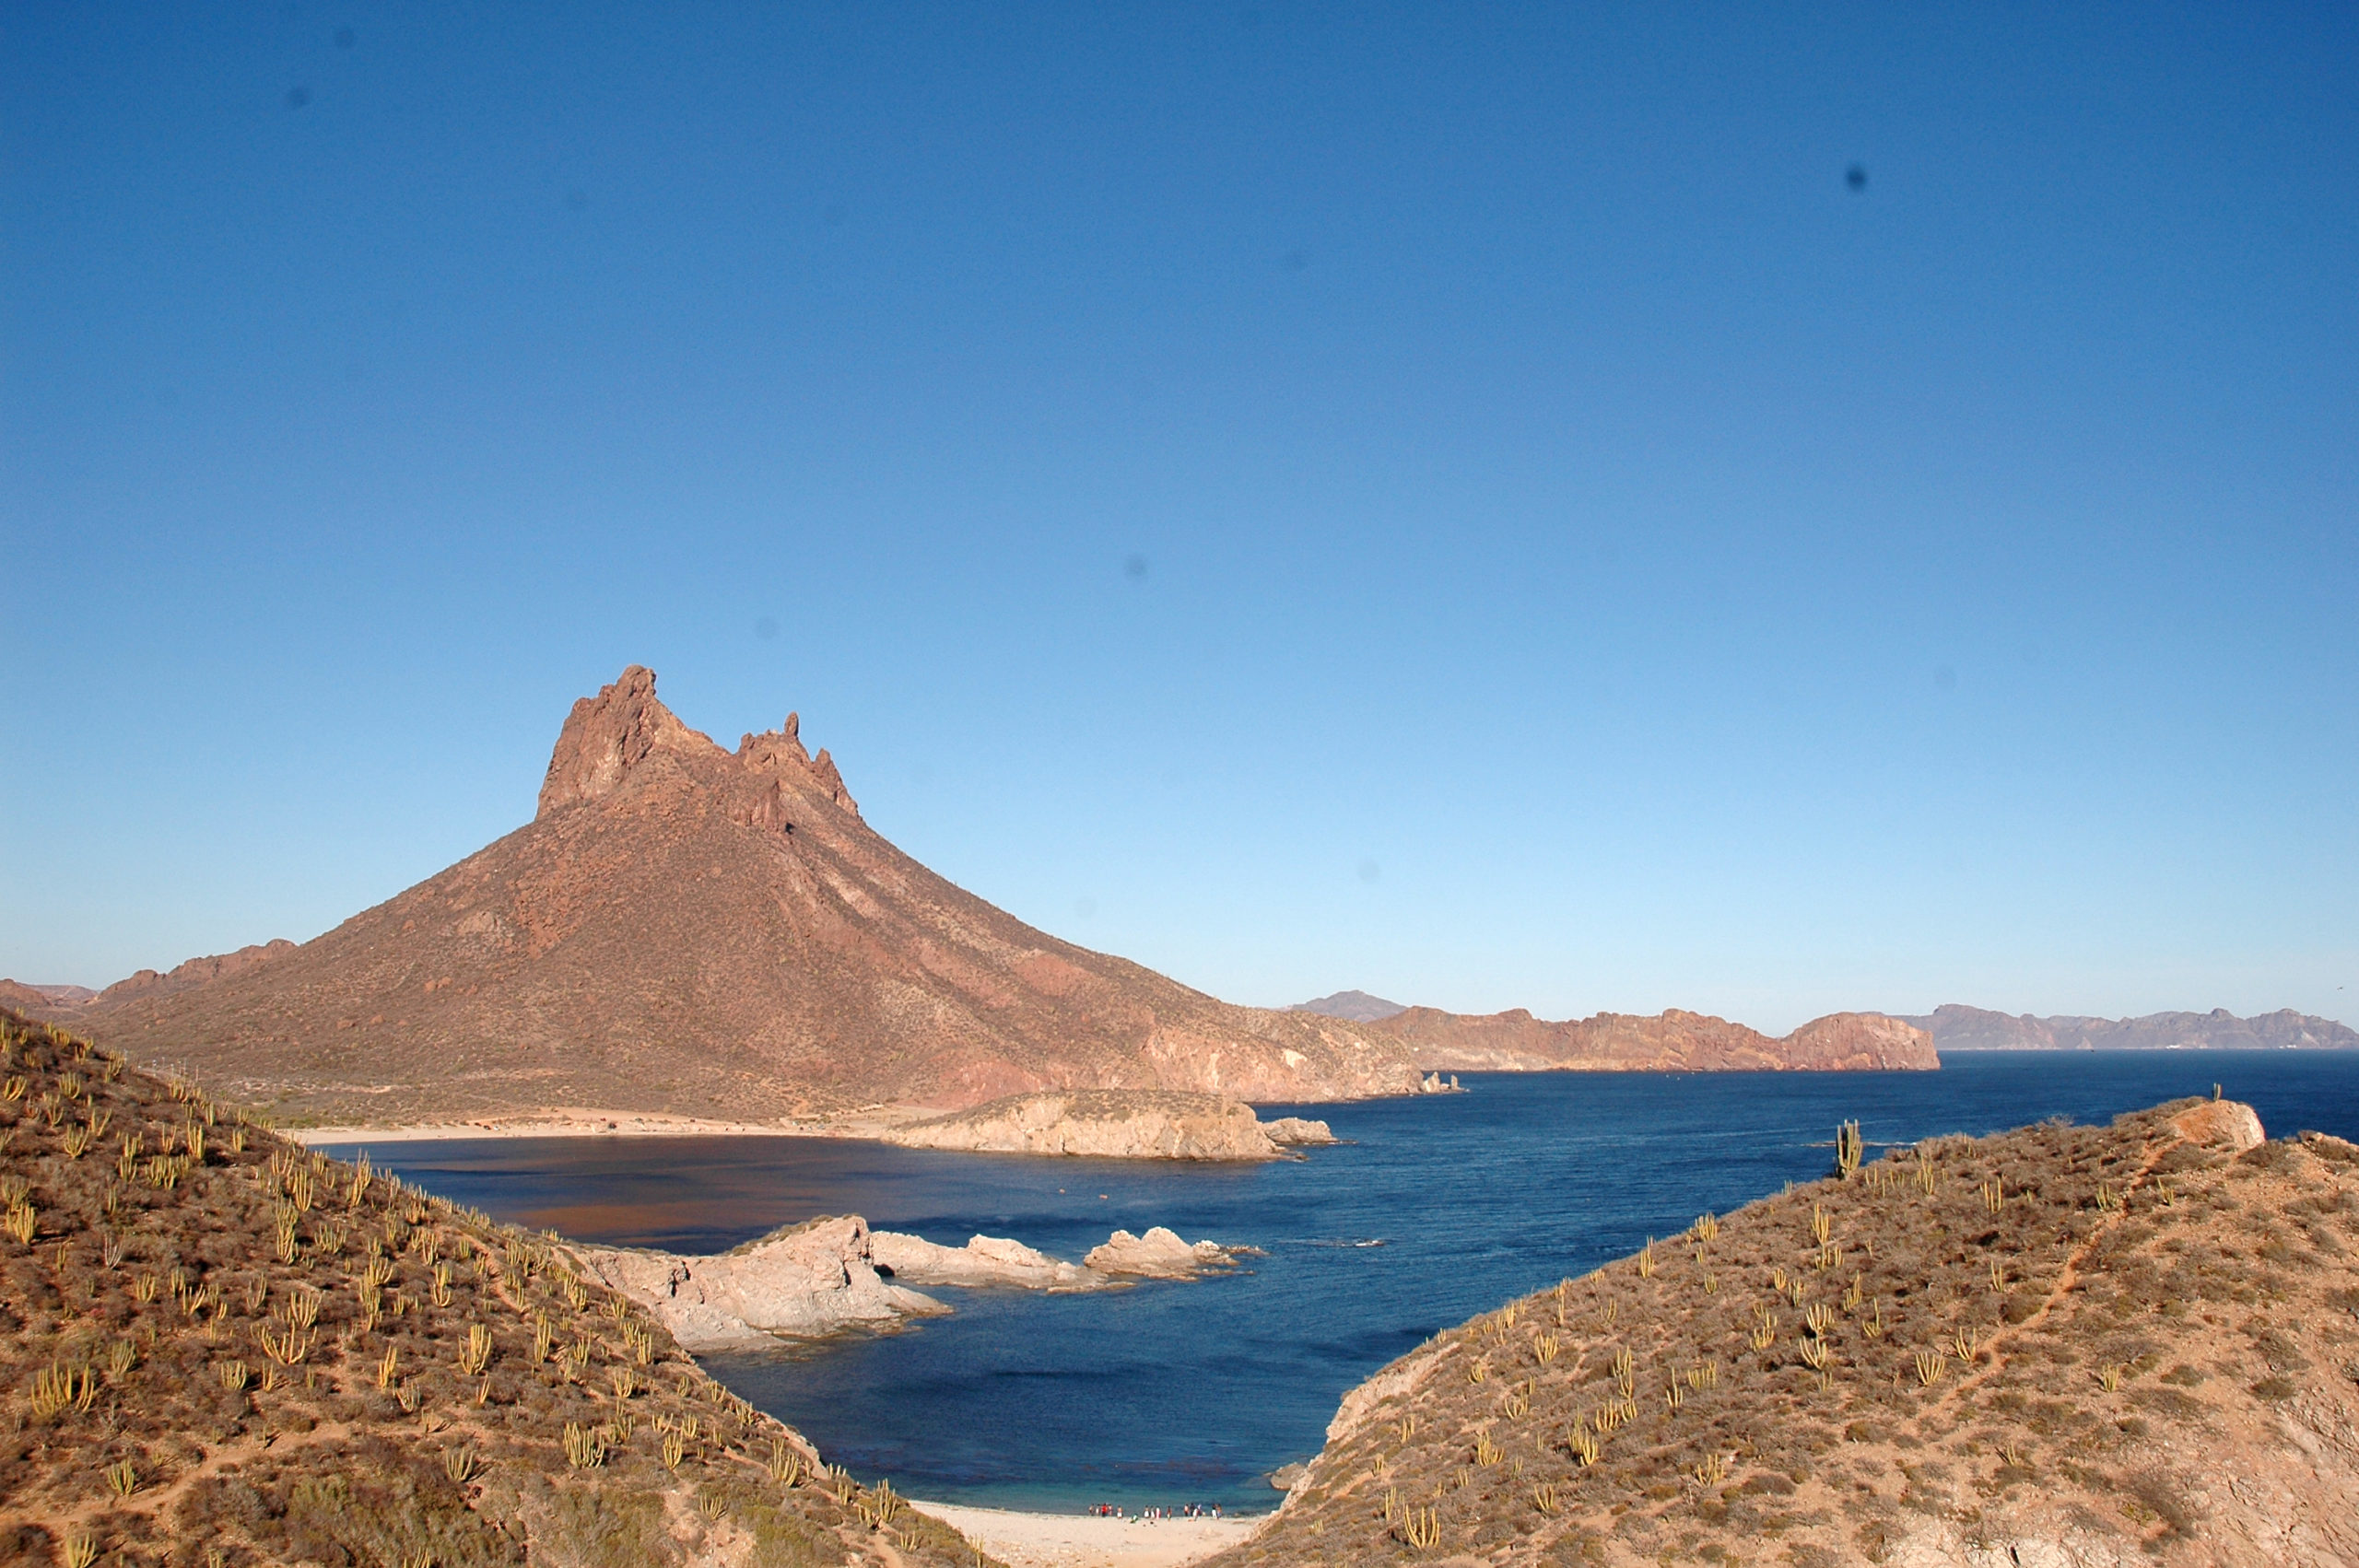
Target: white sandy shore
(579,1124)
(1085,1540)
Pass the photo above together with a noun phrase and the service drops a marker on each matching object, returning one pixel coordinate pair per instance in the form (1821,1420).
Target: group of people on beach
(1150,1515)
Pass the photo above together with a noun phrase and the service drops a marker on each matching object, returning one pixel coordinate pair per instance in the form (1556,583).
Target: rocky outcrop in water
(1297,1132)
(1160,1255)
(1123,1124)
(984,1260)
(826,1276)
(803,1282)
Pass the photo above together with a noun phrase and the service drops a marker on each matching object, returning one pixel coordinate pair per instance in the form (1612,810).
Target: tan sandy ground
(1083,1541)
(570,1124)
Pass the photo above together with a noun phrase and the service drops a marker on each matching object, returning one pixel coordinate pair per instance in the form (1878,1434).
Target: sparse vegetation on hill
(219,1348)
(2060,1344)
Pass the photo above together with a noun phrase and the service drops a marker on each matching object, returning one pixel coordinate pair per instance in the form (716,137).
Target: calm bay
(1437,1208)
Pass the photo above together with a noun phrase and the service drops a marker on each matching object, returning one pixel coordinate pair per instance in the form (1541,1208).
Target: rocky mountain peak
(626,732)
(778,752)
(608,737)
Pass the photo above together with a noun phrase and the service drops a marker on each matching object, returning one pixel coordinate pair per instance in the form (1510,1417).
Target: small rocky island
(1123,1124)
(828,1275)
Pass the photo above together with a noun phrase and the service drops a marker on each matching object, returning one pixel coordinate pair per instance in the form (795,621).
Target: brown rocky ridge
(219,1347)
(1672,1041)
(687,930)
(2066,1346)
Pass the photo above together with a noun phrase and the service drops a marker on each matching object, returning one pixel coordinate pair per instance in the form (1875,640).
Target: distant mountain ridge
(1671,1041)
(1955,1027)
(1357,1006)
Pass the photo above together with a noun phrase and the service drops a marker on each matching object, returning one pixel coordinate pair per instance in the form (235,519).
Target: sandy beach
(576,1124)
(1083,1540)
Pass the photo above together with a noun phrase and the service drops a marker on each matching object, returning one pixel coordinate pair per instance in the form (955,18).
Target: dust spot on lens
(1856,177)
(298,98)
(1371,870)
(1945,678)
(766,627)
(1134,566)
(346,37)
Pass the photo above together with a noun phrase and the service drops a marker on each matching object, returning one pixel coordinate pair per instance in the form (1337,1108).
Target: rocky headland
(830,1275)
(2085,1347)
(1157,1124)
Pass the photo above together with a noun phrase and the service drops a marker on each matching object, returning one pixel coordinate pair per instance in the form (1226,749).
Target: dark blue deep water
(1173,1393)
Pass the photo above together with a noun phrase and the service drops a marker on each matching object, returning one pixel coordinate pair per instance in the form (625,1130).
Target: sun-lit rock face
(1123,1124)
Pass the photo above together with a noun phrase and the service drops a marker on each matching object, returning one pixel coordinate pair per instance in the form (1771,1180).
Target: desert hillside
(219,1347)
(2129,1344)
(1672,1041)
(685,930)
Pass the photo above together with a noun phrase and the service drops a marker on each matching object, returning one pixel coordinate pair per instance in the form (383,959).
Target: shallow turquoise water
(1174,1393)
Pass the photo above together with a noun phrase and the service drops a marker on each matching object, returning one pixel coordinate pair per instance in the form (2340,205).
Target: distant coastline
(1955,1027)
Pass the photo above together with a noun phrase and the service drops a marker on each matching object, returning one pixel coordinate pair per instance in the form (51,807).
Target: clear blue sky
(1465,501)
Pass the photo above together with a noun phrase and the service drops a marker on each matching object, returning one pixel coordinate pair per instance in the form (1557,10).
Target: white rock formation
(984,1260)
(1159,1255)
(803,1282)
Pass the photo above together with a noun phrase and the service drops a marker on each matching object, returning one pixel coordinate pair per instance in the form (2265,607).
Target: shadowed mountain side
(1957,1028)
(1672,1041)
(686,930)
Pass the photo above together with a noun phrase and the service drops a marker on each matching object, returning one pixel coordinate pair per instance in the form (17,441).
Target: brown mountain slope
(218,1347)
(1516,1041)
(685,930)
(2066,1346)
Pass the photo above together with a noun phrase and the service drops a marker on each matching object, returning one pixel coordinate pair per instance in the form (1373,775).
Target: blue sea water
(1438,1208)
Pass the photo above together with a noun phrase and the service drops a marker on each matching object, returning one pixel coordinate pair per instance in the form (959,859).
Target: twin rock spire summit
(685,930)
